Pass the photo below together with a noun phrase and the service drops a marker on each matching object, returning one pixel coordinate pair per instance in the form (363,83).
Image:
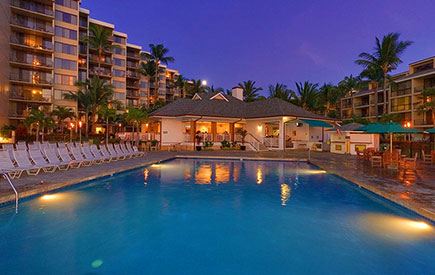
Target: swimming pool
(193,216)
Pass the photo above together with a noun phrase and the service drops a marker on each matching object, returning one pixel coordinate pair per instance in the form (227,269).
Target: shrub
(225,144)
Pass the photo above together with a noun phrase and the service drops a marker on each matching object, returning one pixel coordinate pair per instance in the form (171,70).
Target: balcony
(132,74)
(134,94)
(100,71)
(33,7)
(42,44)
(423,122)
(32,60)
(105,60)
(34,78)
(401,107)
(19,94)
(132,64)
(83,49)
(133,55)
(363,103)
(35,25)
(133,85)
(402,92)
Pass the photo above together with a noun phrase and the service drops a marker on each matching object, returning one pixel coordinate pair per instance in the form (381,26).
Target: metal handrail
(6,176)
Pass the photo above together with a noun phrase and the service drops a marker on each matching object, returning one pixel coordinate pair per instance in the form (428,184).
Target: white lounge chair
(113,152)
(106,153)
(134,149)
(61,145)
(7,166)
(64,155)
(124,149)
(118,149)
(8,147)
(52,146)
(77,154)
(34,146)
(40,161)
(53,159)
(97,153)
(86,151)
(21,145)
(70,145)
(23,162)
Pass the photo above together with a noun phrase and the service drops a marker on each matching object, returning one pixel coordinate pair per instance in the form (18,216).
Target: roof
(348,127)
(316,123)
(414,75)
(204,105)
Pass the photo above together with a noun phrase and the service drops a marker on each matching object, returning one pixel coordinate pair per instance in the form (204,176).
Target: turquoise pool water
(215,217)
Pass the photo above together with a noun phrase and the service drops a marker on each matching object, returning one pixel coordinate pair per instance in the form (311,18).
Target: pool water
(192,216)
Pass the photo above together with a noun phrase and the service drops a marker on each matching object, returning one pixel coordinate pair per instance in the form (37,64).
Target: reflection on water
(222,173)
(259,176)
(285,193)
(146,173)
(203,174)
(394,227)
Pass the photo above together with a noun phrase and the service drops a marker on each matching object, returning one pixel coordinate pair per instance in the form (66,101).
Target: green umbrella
(431,131)
(391,128)
(368,126)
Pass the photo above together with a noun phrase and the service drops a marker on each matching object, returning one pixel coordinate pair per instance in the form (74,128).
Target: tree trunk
(100,54)
(87,124)
(107,130)
(42,135)
(327,109)
(385,92)
(157,76)
(37,132)
(376,105)
(138,133)
(433,118)
(352,102)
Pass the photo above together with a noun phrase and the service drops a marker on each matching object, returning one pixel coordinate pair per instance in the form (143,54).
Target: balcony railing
(364,103)
(427,121)
(133,55)
(134,85)
(132,93)
(401,107)
(104,59)
(100,71)
(35,78)
(407,91)
(33,6)
(32,24)
(33,60)
(132,64)
(34,95)
(132,74)
(21,40)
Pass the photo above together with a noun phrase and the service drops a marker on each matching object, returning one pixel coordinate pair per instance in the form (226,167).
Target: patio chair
(53,159)
(86,151)
(359,154)
(61,145)
(64,155)
(391,160)
(70,145)
(120,151)
(112,151)
(77,154)
(40,161)
(376,161)
(98,153)
(34,146)
(134,149)
(411,161)
(23,162)
(52,146)
(427,158)
(7,166)
(21,145)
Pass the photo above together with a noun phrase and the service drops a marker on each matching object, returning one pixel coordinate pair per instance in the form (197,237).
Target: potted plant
(198,139)
(243,133)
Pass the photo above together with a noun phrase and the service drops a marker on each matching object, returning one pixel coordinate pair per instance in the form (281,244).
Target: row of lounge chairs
(50,157)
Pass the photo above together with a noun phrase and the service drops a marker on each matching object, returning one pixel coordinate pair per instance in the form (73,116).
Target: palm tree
(137,117)
(99,41)
(386,57)
(328,96)
(428,97)
(250,92)
(374,76)
(92,95)
(158,55)
(148,69)
(307,94)
(181,84)
(41,120)
(212,89)
(62,113)
(195,88)
(107,114)
(349,85)
(280,91)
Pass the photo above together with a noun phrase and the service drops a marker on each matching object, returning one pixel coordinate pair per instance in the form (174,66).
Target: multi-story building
(403,97)
(46,54)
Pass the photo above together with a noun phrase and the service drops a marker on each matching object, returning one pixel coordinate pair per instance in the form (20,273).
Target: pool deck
(414,190)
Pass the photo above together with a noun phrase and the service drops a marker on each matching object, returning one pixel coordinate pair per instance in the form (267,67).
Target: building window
(65,64)
(118,84)
(72,4)
(119,51)
(143,84)
(60,95)
(65,79)
(82,76)
(66,33)
(119,39)
(119,62)
(66,17)
(65,48)
(118,73)
(143,94)
(119,96)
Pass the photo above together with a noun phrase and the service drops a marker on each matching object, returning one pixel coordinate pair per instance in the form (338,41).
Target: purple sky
(228,41)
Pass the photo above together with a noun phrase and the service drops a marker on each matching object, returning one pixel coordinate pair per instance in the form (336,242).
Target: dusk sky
(228,41)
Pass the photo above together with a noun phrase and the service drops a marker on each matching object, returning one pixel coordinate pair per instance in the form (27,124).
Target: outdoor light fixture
(260,127)
(407,124)
(299,124)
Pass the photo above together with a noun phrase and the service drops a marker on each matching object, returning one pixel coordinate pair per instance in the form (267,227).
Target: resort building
(45,55)
(271,124)
(403,99)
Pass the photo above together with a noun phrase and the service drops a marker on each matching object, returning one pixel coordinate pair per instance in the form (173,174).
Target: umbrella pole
(391,143)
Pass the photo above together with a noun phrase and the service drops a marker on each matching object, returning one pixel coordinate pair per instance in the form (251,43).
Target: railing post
(6,176)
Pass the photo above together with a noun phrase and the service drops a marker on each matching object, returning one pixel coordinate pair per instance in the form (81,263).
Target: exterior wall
(347,142)
(4,60)
(172,131)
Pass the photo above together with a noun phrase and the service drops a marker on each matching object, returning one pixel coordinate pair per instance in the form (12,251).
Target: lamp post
(80,131)
(71,131)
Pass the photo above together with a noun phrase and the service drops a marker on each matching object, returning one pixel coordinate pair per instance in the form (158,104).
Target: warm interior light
(260,127)
(49,197)
(155,165)
(34,92)
(259,176)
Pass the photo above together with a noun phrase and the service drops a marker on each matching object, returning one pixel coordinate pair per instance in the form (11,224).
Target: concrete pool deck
(414,190)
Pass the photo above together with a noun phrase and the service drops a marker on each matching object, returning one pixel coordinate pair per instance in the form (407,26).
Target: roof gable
(219,96)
